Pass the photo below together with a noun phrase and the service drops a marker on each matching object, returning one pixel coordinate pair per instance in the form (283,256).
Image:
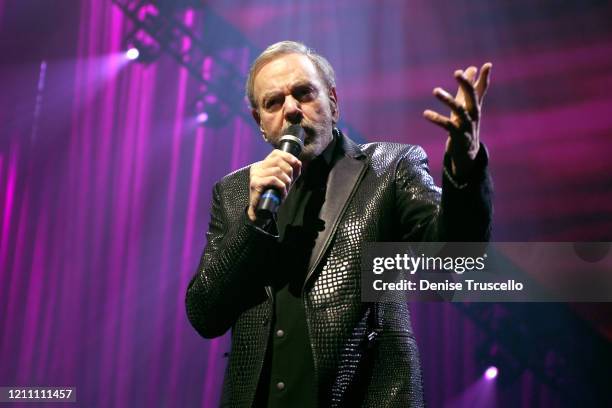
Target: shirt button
(280,333)
(280,386)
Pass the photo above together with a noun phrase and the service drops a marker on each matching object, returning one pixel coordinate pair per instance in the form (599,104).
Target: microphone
(292,142)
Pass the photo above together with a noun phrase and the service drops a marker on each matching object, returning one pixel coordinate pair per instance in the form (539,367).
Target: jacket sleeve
(229,278)
(457,212)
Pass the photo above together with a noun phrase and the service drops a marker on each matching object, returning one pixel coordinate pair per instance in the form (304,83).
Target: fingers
(287,162)
(257,187)
(466,81)
(262,184)
(470,73)
(457,107)
(440,120)
(465,106)
(278,170)
(482,84)
(277,173)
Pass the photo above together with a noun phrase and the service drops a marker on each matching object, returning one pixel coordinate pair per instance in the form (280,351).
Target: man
(290,290)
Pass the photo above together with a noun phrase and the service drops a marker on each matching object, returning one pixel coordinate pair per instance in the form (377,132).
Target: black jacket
(364,354)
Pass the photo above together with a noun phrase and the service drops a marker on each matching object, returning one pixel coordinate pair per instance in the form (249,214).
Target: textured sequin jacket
(364,354)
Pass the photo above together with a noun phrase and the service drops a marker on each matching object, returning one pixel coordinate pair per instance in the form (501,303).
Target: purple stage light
(132,54)
(202,117)
(491,373)
(211,98)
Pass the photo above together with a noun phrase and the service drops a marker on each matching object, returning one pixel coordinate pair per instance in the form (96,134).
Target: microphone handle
(270,200)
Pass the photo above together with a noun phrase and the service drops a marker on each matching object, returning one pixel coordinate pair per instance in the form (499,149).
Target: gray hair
(326,72)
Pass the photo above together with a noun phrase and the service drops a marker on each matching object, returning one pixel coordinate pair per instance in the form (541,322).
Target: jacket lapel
(341,184)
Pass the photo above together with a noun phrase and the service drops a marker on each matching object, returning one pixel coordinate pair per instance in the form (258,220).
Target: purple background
(105,178)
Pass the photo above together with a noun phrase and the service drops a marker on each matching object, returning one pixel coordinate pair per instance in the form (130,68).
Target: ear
(333,103)
(257,118)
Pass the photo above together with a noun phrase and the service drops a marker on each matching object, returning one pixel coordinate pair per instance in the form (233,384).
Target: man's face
(288,90)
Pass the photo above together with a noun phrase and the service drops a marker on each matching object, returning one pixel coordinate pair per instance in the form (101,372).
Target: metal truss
(158,28)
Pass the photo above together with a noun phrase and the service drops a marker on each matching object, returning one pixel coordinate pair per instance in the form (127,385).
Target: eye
(272,103)
(304,93)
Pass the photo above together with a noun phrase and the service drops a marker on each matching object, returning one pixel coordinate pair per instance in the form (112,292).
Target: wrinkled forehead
(284,71)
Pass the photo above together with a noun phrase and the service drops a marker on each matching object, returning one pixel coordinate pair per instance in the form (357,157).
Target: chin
(308,154)
(311,151)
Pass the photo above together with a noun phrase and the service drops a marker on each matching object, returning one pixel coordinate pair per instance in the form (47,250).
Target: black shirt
(288,378)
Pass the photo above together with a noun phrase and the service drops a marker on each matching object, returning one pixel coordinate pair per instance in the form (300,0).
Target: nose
(292,110)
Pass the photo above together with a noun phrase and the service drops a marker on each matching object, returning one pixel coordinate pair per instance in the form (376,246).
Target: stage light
(132,54)
(142,48)
(209,111)
(202,118)
(491,373)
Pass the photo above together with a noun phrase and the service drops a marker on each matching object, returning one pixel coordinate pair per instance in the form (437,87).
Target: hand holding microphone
(271,178)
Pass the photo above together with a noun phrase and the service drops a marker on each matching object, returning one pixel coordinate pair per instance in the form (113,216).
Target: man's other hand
(278,170)
(463,124)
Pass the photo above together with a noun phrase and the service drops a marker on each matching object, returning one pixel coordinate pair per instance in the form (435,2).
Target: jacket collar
(349,148)
(343,180)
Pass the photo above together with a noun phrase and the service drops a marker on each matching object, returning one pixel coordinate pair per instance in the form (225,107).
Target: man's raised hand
(463,123)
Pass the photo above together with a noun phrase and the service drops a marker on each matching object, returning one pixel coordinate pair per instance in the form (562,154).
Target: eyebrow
(298,84)
(269,94)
